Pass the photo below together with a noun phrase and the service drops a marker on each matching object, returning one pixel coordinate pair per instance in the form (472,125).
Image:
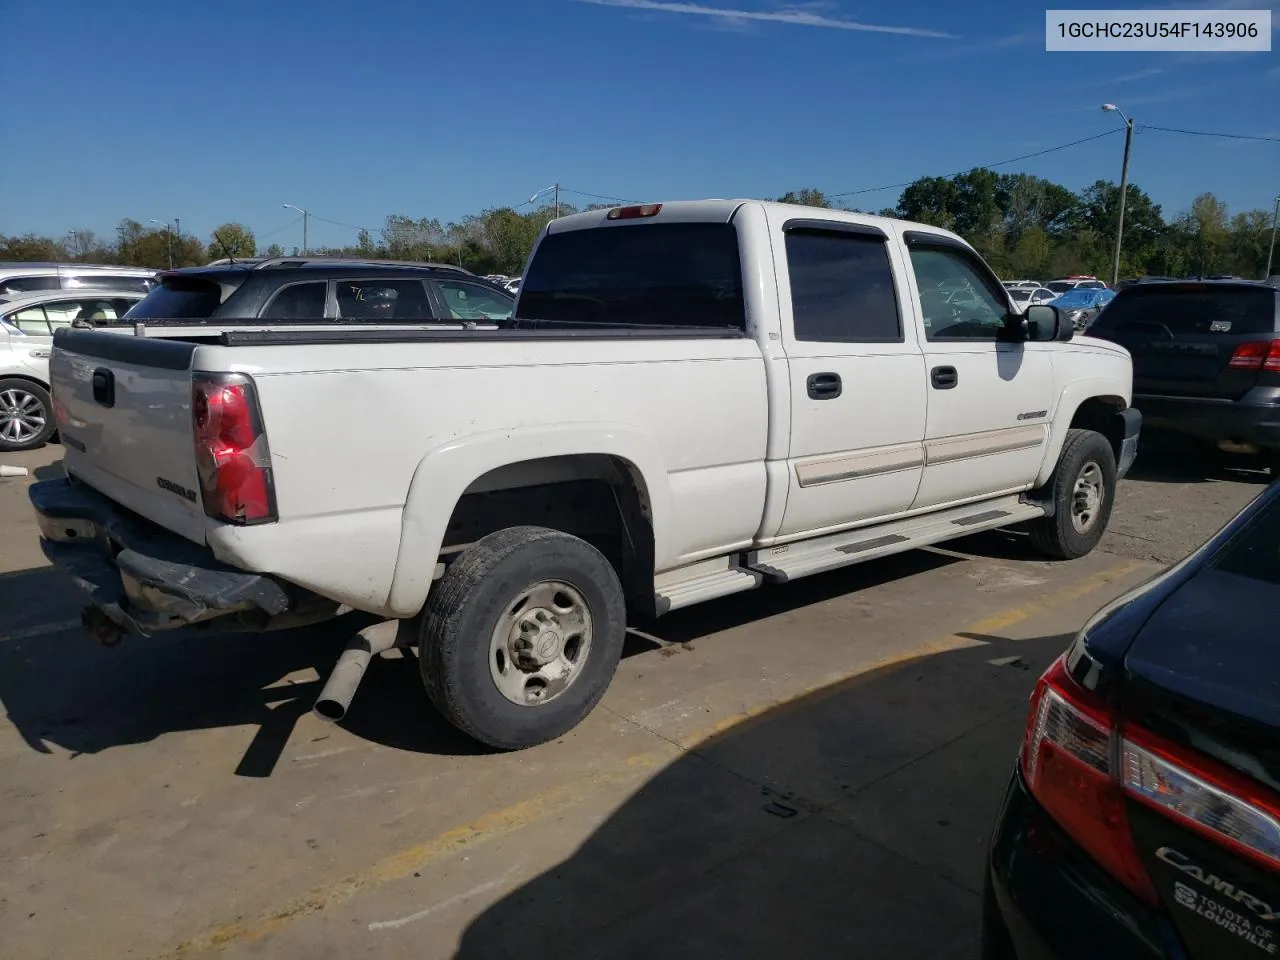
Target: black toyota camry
(1143,816)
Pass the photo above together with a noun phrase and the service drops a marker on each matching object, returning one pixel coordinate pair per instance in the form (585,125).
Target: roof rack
(270,262)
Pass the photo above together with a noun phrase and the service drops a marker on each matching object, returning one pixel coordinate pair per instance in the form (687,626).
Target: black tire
(1059,536)
(24,392)
(1271,459)
(464,610)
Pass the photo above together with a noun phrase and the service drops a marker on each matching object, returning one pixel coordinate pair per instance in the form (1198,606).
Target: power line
(339,223)
(1205,133)
(1002,163)
(272,233)
(593,196)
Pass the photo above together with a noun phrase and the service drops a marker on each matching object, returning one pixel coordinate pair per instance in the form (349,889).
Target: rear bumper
(144,578)
(1047,900)
(1252,420)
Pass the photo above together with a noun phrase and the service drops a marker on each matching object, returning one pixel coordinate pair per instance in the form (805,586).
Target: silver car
(17,278)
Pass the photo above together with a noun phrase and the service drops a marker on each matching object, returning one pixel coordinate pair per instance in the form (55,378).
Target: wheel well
(1099,414)
(601,499)
(22,376)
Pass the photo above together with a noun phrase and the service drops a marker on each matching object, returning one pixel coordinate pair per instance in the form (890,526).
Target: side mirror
(1045,323)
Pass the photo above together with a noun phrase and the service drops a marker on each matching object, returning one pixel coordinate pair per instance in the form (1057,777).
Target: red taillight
(634,213)
(1083,765)
(1257,355)
(232,456)
(1068,762)
(1220,804)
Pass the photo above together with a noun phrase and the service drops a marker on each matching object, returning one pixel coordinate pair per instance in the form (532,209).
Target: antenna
(225,249)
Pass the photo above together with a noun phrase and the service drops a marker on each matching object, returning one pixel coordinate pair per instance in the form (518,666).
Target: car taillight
(1257,355)
(1082,764)
(232,456)
(1068,762)
(1217,803)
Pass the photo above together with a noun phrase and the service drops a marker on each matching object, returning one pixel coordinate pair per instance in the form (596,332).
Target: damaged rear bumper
(142,577)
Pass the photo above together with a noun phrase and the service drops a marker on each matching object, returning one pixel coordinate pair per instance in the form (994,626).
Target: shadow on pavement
(851,823)
(1168,458)
(60,688)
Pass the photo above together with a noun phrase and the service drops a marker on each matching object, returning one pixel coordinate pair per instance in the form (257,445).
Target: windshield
(1196,310)
(667,274)
(178,298)
(1255,553)
(1084,297)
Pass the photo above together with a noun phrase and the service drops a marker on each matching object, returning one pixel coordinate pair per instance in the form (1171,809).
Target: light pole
(1124,186)
(290,206)
(556,188)
(1275,221)
(168,238)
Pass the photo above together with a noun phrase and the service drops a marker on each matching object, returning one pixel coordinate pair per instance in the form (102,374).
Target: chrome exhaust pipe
(335,698)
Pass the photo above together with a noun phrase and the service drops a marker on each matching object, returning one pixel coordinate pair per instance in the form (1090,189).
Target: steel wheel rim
(22,416)
(1087,497)
(540,643)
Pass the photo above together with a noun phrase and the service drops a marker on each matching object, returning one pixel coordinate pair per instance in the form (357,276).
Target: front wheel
(1083,491)
(522,635)
(26,415)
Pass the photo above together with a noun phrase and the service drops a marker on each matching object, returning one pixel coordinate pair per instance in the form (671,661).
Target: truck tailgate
(123,406)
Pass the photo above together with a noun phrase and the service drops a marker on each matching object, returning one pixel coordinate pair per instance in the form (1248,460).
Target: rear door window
(650,274)
(387,300)
(30,320)
(299,301)
(62,313)
(842,288)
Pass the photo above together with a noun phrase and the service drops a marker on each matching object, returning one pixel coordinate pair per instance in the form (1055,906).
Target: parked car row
(510,284)
(300,292)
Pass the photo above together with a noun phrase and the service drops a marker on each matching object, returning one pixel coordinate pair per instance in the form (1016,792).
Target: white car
(707,396)
(27,324)
(1024,297)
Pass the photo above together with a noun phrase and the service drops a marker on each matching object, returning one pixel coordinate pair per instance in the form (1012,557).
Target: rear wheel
(1271,458)
(26,415)
(1082,490)
(522,636)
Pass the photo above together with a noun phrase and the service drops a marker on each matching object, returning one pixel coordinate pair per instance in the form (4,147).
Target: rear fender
(445,473)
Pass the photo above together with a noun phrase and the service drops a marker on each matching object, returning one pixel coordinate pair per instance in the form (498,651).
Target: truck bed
(366,428)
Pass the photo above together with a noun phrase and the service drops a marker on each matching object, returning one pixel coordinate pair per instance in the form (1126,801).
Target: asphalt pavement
(799,771)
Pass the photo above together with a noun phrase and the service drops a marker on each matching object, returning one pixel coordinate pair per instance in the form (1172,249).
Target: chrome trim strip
(951,449)
(853,465)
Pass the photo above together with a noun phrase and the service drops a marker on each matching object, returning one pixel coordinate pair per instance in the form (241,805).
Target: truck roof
(722,211)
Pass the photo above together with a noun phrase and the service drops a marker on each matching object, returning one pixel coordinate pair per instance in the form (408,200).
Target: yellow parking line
(507,820)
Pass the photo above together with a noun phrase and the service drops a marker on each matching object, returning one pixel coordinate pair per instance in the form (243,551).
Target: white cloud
(1131,77)
(791,15)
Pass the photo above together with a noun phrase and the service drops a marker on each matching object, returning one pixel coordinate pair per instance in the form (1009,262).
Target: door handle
(104,387)
(824,386)
(943,378)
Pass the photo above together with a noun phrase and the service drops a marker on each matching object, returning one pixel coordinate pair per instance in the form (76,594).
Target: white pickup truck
(704,397)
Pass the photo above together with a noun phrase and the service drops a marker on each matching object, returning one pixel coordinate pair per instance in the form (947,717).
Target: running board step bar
(719,577)
(794,560)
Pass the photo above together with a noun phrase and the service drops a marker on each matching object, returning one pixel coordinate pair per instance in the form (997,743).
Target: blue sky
(224,111)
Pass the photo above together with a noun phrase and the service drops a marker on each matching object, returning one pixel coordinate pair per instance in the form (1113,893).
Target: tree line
(1025,226)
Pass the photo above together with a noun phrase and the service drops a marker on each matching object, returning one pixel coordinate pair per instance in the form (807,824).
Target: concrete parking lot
(802,770)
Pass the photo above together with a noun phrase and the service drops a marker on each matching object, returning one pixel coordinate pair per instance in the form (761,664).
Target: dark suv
(298,289)
(1206,359)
